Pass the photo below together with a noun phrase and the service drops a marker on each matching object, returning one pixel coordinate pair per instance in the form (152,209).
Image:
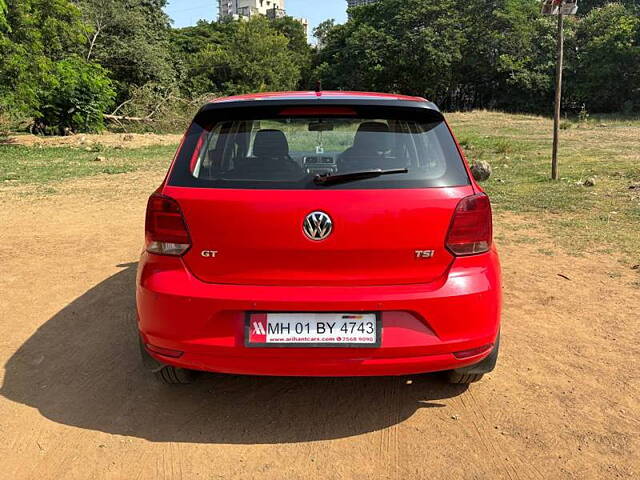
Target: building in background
(305,24)
(248,8)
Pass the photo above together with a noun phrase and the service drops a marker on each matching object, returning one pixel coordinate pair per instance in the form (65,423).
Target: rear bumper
(423,325)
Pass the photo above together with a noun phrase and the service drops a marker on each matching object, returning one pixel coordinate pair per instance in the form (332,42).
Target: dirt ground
(118,140)
(75,404)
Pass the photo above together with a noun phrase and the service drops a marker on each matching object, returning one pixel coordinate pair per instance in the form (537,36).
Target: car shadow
(82,368)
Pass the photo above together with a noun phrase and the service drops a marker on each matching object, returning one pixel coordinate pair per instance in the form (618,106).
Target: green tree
(585,6)
(189,41)
(78,94)
(322,31)
(130,38)
(3,15)
(51,28)
(402,46)
(234,57)
(294,32)
(463,54)
(606,73)
(526,56)
(300,51)
(37,34)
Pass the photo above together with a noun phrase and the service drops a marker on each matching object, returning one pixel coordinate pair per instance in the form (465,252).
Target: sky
(188,12)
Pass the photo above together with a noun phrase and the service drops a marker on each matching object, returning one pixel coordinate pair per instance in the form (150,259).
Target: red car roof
(321,94)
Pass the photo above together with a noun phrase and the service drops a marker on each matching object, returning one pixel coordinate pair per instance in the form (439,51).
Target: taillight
(471,229)
(472,352)
(165,230)
(165,352)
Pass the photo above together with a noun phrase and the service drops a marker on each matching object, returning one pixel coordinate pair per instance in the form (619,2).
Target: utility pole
(559,8)
(556,114)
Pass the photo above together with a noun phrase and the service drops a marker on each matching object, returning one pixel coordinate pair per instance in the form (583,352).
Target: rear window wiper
(328,179)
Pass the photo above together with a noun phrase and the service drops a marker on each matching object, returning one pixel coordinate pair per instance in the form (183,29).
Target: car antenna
(318,86)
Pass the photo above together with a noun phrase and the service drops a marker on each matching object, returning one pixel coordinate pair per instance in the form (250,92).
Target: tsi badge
(209,253)
(423,254)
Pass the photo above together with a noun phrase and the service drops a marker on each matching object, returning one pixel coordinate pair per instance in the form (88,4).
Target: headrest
(372,137)
(270,143)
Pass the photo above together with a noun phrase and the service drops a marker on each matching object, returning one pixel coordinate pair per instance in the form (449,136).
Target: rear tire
(167,374)
(175,376)
(473,373)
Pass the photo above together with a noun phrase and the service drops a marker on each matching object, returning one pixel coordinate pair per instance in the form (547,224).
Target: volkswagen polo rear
(319,234)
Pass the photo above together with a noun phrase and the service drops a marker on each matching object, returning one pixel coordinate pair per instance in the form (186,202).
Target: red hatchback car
(319,234)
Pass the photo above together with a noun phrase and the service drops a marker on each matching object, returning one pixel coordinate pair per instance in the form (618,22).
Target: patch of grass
(519,240)
(117,169)
(33,165)
(503,145)
(602,218)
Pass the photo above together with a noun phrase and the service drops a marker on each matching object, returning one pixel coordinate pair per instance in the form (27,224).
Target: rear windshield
(288,152)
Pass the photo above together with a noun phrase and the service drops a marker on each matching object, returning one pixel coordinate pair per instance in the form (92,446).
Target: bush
(77,95)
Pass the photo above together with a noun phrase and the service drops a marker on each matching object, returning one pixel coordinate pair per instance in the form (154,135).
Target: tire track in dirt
(389,444)
(499,464)
(478,412)
(484,431)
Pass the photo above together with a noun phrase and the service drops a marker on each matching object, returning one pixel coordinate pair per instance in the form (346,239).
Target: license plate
(313,330)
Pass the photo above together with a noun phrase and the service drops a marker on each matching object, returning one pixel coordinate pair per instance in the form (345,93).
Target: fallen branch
(125,118)
(157,108)
(121,105)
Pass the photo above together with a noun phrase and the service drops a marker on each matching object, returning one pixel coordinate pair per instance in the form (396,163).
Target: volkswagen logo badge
(317,226)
